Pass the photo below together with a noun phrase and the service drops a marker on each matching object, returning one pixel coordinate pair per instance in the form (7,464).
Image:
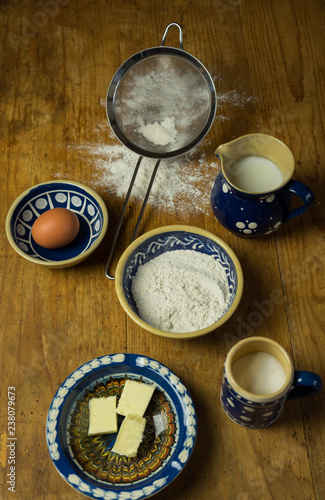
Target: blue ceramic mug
(252,194)
(258,379)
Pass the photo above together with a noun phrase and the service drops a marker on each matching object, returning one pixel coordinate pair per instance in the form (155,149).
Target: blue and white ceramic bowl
(83,201)
(168,239)
(87,462)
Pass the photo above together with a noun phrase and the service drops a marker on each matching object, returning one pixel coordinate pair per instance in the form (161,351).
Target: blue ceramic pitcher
(251,196)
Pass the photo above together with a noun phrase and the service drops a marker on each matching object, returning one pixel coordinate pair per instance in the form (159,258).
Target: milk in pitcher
(254,174)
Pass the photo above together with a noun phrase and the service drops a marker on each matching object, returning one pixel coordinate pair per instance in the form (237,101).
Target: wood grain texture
(267,62)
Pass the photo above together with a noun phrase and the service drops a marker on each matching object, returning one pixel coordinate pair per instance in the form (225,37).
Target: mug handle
(304,193)
(305,384)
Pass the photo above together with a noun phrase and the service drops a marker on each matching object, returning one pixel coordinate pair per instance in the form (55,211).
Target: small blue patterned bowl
(82,200)
(171,238)
(87,462)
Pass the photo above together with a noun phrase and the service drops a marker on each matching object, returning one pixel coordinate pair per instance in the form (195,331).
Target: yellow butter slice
(102,416)
(129,436)
(135,398)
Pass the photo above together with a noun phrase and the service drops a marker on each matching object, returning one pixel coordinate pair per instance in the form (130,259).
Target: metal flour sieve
(160,103)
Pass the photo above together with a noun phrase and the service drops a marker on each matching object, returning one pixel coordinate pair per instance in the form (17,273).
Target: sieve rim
(131,62)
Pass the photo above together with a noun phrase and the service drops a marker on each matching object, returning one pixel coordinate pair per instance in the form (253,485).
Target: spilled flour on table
(181,184)
(234,99)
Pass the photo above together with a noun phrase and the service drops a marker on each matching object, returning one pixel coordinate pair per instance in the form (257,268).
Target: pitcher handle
(304,193)
(305,384)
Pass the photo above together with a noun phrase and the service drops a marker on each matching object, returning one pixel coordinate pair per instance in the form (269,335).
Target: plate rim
(150,486)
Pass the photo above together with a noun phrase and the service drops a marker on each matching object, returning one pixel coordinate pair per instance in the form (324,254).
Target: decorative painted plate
(87,462)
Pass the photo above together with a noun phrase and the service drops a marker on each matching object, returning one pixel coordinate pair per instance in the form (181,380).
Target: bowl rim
(164,229)
(61,263)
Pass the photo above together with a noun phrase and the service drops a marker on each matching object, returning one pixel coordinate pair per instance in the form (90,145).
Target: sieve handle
(180,35)
(118,227)
(144,203)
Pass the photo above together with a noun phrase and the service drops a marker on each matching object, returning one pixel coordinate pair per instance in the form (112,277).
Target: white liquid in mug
(254,174)
(259,373)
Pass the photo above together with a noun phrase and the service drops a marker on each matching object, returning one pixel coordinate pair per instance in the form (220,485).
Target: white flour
(231,99)
(181,185)
(160,133)
(181,291)
(158,91)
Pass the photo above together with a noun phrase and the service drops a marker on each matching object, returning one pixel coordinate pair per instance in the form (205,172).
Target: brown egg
(55,228)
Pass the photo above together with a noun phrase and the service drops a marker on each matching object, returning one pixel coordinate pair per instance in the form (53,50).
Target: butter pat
(102,416)
(135,398)
(130,436)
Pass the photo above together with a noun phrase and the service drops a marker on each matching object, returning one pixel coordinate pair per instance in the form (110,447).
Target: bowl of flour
(179,281)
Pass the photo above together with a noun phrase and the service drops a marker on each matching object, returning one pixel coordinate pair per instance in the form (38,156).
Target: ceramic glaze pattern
(245,412)
(248,215)
(263,204)
(46,197)
(169,438)
(93,453)
(179,240)
(251,215)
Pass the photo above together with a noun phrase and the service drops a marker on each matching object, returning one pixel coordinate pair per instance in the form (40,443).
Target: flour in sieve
(160,133)
(159,90)
(181,291)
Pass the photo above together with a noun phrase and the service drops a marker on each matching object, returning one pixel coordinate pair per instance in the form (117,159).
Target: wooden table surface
(267,62)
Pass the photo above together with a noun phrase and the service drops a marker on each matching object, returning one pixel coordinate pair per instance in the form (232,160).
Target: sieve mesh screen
(162,103)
